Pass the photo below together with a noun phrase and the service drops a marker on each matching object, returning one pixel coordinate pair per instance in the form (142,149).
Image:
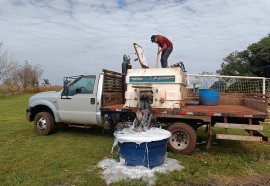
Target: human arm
(164,47)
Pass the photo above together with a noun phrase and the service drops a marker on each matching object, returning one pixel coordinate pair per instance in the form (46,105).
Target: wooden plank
(111,72)
(225,110)
(110,90)
(257,105)
(111,98)
(257,133)
(112,79)
(230,101)
(259,97)
(238,137)
(113,86)
(239,126)
(113,83)
(250,123)
(226,121)
(209,136)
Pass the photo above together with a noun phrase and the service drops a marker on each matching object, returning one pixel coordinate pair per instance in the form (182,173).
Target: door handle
(92,101)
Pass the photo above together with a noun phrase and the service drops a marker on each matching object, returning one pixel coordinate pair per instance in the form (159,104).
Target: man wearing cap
(165,46)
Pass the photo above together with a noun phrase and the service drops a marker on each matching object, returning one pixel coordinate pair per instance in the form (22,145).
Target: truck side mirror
(65,86)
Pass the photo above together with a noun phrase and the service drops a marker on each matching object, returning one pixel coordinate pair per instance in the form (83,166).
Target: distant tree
(26,76)
(29,75)
(236,64)
(15,76)
(259,57)
(4,64)
(254,61)
(8,70)
(46,82)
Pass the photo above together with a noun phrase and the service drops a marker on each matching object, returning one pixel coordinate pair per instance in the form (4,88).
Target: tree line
(16,76)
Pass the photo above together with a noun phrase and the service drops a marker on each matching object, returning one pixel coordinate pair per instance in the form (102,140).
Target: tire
(183,139)
(44,123)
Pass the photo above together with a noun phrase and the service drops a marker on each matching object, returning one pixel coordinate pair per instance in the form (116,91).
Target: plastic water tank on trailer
(164,87)
(208,96)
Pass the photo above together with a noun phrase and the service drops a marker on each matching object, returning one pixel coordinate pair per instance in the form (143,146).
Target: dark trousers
(164,57)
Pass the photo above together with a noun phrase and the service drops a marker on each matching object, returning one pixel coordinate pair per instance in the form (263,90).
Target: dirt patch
(258,179)
(252,180)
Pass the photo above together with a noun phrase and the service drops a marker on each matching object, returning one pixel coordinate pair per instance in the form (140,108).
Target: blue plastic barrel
(150,154)
(208,96)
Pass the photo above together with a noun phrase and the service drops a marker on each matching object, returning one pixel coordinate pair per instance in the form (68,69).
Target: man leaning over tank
(165,47)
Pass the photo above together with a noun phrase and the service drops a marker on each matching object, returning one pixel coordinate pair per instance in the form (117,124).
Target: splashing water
(114,171)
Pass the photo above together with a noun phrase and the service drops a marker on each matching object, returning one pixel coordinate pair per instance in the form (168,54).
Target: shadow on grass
(83,131)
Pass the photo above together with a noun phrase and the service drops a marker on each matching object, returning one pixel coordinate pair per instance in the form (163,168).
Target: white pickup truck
(98,99)
(79,102)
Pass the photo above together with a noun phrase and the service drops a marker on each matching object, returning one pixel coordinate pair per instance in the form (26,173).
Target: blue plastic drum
(148,154)
(208,96)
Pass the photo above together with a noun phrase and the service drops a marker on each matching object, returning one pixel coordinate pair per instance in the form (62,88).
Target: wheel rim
(179,140)
(41,124)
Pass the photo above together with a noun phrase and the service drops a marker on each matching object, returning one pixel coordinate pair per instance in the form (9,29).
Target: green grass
(70,156)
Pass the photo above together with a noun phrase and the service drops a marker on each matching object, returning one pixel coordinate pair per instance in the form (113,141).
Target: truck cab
(78,103)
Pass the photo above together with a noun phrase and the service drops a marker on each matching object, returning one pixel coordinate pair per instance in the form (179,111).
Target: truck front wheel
(183,139)
(44,123)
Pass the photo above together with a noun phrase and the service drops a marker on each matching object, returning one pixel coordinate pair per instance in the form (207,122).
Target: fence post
(263,85)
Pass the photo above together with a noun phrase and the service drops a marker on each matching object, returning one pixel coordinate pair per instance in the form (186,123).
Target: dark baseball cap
(153,37)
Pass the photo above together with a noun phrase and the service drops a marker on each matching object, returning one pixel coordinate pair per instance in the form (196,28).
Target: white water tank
(163,87)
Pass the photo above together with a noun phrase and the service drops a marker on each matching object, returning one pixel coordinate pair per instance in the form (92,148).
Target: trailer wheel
(44,123)
(183,139)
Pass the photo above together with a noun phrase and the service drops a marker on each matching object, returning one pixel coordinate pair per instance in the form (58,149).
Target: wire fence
(230,84)
(267,85)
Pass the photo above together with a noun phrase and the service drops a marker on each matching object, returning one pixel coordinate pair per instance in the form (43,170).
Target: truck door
(78,104)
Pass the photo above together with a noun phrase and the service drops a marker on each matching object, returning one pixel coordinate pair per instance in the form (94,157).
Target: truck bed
(199,110)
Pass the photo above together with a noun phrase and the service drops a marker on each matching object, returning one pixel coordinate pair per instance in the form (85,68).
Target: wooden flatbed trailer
(202,112)
(237,111)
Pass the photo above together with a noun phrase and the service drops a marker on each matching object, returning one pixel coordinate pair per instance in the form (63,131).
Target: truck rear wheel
(44,123)
(183,139)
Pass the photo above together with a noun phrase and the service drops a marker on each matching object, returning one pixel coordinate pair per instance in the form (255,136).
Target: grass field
(70,156)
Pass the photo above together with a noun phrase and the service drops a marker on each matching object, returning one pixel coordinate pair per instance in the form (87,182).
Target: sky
(73,37)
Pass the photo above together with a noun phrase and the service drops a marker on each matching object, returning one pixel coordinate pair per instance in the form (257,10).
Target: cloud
(70,37)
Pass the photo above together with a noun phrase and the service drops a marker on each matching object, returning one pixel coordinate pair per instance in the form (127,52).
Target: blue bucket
(150,154)
(208,96)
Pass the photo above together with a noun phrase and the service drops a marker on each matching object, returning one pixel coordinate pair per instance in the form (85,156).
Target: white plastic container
(164,87)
